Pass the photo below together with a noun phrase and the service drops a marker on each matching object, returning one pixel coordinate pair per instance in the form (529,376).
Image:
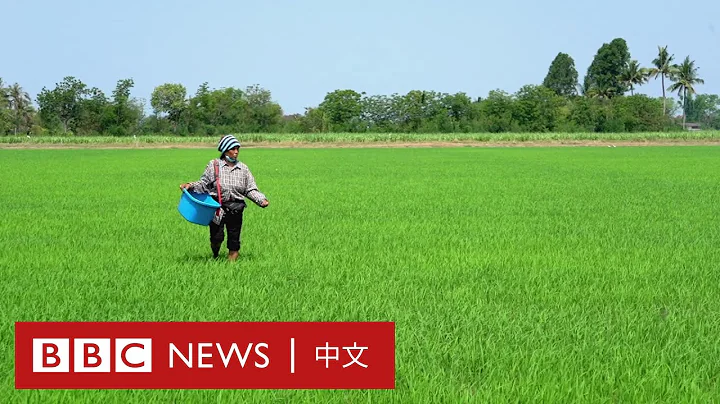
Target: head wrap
(227,142)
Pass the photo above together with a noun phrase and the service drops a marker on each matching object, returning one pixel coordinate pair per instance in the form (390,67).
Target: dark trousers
(233,222)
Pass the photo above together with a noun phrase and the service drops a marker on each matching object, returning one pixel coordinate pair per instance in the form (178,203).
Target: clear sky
(301,50)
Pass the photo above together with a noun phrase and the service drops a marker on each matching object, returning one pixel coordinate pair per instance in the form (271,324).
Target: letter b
(51,355)
(91,355)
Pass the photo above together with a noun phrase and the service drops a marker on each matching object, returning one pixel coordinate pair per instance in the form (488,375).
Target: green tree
(226,107)
(562,77)
(704,109)
(586,114)
(685,77)
(314,121)
(638,113)
(536,108)
(420,111)
(95,113)
(3,94)
(408,110)
(199,105)
(263,114)
(663,67)
(496,112)
(4,111)
(604,73)
(377,113)
(459,109)
(125,114)
(343,109)
(169,98)
(634,75)
(63,103)
(21,108)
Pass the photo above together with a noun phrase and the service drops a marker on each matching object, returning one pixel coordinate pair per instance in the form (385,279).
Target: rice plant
(513,274)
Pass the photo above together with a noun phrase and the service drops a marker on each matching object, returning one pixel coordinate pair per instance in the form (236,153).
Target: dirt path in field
(271,145)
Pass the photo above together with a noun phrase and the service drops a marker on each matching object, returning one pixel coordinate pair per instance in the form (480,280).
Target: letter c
(123,355)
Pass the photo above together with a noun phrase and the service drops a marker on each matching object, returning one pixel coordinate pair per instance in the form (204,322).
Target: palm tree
(4,112)
(633,75)
(686,77)
(20,104)
(3,94)
(663,68)
(603,93)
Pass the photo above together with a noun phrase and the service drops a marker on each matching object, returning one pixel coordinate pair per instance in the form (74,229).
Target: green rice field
(330,138)
(568,274)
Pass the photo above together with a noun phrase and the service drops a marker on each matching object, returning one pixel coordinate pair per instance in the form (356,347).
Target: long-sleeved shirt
(236,183)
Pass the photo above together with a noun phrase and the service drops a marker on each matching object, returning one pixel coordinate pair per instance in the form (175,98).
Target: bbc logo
(92,355)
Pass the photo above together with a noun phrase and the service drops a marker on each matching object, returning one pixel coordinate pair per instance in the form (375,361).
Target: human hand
(264,203)
(184,186)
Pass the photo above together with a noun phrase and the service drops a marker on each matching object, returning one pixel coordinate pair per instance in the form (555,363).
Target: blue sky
(301,50)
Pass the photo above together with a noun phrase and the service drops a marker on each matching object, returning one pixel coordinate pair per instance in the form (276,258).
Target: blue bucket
(197,208)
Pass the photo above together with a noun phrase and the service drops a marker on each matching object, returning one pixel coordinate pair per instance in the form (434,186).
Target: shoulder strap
(217,180)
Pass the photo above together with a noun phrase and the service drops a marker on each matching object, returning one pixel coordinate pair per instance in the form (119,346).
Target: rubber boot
(215,249)
(232,255)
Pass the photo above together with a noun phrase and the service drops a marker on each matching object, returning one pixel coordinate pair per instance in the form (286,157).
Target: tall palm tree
(633,75)
(663,68)
(686,77)
(20,104)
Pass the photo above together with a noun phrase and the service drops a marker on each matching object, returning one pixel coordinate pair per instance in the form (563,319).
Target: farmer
(236,182)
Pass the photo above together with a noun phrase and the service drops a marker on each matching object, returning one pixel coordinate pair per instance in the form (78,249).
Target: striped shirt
(236,183)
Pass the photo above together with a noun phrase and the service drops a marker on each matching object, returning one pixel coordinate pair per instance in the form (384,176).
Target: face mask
(230,159)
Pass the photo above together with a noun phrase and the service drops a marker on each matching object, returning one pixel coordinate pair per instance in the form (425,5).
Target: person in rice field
(236,184)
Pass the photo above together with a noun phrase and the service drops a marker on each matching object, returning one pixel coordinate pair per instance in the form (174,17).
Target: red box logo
(157,355)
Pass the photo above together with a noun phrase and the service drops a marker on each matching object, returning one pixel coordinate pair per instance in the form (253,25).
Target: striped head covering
(227,142)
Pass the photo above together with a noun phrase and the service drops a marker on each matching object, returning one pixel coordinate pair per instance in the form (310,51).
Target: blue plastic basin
(197,208)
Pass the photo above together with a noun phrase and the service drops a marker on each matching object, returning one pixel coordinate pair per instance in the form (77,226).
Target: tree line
(561,103)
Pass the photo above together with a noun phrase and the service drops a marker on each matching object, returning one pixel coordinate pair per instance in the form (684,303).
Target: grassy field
(324,138)
(514,274)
